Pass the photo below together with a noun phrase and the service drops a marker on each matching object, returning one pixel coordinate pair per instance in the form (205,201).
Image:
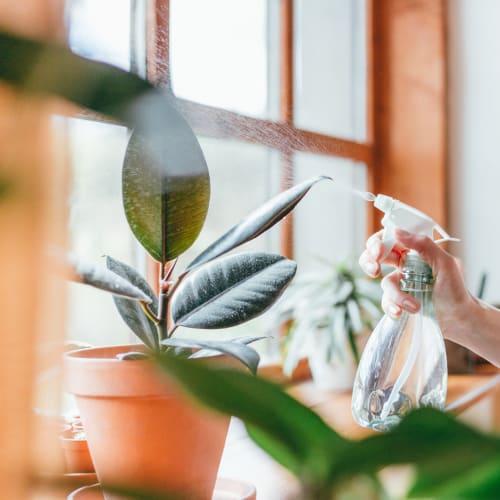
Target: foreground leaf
(231,290)
(104,279)
(49,68)
(248,356)
(292,433)
(257,222)
(442,448)
(132,312)
(166,190)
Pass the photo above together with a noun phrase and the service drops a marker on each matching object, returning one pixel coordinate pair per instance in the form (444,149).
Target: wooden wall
(32,217)
(410,102)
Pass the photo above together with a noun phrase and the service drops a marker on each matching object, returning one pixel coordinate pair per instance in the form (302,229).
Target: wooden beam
(219,123)
(409,86)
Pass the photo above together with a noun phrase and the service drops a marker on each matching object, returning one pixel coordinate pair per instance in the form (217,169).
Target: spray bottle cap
(403,216)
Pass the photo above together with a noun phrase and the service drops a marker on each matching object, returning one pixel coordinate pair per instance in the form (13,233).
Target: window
(97,223)
(276,92)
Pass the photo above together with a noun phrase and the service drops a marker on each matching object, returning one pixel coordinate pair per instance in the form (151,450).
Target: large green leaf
(132,312)
(452,459)
(293,434)
(231,290)
(256,222)
(248,356)
(166,190)
(49,68)
(442,448)
(104,279)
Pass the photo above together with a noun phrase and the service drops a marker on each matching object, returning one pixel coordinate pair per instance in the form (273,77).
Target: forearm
(477,327)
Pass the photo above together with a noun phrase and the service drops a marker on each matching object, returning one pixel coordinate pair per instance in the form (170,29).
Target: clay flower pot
(143,433)
(76,454)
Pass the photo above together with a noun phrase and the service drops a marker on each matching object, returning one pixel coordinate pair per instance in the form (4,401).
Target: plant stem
(161,325)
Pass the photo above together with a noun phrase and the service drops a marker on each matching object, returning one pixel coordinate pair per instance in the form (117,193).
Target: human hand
(450,293)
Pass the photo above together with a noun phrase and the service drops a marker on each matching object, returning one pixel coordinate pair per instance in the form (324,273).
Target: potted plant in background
(325,314)
(142,434)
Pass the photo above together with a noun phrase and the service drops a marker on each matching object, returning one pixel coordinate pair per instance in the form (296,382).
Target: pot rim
(96,372)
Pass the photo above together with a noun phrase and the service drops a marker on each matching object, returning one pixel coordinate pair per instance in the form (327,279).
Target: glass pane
(330,222)
(100,30)
(243,176)
(98,227)
(219,53)
(330,67)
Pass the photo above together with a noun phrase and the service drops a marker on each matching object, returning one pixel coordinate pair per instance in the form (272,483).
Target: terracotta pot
(76,454)
(143,433)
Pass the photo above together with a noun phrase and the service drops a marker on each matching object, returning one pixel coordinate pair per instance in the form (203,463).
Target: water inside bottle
(412,346)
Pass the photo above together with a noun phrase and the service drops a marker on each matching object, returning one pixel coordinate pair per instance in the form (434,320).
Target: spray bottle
(404,362)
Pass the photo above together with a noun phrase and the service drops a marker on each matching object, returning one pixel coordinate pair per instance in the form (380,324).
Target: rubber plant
(166,190)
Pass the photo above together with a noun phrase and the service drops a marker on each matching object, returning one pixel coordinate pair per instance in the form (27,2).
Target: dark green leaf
(231,290)
(166,190)
(292,432)
(248,356)
(104,279)
(441,448)
(49,68)
(132,312)
(478,481)
(257,222)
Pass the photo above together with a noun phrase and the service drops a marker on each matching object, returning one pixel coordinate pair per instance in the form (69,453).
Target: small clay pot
(76,453)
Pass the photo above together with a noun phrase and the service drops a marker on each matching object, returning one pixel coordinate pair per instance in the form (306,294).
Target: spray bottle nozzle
(403,216)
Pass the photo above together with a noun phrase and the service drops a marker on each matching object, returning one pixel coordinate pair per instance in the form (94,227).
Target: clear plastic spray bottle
(403,365)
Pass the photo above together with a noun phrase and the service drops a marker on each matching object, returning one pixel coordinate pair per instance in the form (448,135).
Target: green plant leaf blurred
(452,459)
(290,432)
(48,68)
(231,290)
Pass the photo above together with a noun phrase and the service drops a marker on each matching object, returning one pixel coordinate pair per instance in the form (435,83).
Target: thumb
(427,249)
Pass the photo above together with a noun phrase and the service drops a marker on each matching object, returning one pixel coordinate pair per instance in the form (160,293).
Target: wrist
(457,323)
(476,327)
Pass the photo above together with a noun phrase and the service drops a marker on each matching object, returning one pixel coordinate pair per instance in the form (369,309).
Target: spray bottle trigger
(445,236)
(388,236)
